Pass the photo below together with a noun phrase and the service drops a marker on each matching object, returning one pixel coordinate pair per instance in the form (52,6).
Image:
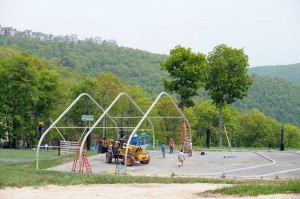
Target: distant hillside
(134,67)
(68,74)
(288,72)
(275,97)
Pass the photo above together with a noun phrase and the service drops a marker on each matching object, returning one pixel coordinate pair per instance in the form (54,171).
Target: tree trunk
(220,126)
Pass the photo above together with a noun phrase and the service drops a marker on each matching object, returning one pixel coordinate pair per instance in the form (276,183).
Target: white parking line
(240,169)
(268,174)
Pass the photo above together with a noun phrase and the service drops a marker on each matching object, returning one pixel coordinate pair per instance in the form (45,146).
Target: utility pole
(282,139)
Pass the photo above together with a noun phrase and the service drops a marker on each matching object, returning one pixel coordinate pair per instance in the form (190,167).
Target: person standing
(171,144)
(163,150)
(181,158)
(100,145)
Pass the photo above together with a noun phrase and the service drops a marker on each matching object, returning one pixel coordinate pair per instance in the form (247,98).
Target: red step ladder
(85,163)
(184,138)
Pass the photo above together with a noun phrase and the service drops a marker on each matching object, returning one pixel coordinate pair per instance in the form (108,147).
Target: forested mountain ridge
(36,89)
(134,67)
(275,97)
(289,72)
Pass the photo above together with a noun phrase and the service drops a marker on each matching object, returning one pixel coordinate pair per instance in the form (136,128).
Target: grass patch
(260,187)
(25,174)
(26,154)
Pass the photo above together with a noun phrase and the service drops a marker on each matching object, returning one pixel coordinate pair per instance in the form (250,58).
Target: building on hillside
(95,40)
(42,36)
(7,31)
(27,33)
(59,38)
(110,42)
(38,35)
(71,38)
(49,37)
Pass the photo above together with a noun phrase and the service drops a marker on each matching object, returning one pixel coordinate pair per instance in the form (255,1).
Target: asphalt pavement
(228,164)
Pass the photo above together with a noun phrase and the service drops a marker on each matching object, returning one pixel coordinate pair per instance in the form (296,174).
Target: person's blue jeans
(171,149)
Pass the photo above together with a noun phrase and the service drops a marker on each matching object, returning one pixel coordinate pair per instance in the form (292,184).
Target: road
(238,164)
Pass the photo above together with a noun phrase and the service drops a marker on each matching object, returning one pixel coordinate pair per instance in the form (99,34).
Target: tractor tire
(130,159)
(145,161)
(108,157)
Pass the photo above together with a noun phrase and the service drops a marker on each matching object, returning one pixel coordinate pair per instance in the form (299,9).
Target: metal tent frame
(105,112)
(146,115)
(53,125)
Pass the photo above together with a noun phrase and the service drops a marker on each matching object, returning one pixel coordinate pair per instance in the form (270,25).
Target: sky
(267,30)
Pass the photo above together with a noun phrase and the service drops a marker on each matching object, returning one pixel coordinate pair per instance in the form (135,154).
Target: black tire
(145,161)
(130,159)
(102,149)
(108,157)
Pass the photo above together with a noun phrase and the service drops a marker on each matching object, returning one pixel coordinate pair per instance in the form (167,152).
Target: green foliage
(142,99)
(35,89)
(134,67)
(186,71)
(256,130)
(274,97)
(167,127)
(6,52)
(227,78)
(19,88)
(288,72)
(291,136)
(29,91)
(207,114)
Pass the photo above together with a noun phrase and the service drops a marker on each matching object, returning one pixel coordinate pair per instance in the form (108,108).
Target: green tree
(141,98)
(227,78)
(257,130)
(108,88)
(186,72)
(168,126)
(84,105)
(19,93)
(49,92)
(292,136)
(207,115)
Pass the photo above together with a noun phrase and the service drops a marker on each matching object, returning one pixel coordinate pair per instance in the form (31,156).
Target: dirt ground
(125,191)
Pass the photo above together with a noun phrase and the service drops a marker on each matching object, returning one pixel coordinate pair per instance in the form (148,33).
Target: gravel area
(125,191)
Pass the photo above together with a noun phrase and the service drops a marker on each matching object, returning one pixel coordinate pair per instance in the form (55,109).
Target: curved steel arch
(146,115)
(103,114)
(59,118)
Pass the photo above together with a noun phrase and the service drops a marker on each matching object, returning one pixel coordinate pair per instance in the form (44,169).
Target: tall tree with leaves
(108,88)
(227,78)
(186,72)
(19,93)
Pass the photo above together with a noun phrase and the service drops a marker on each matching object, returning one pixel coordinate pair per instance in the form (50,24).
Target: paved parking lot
(238,164)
